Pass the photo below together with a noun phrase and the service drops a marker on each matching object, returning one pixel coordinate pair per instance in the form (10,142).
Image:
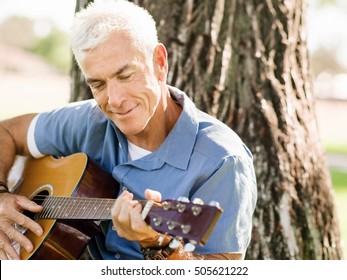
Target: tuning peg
(166,205)
(189,247)
(171,225)
(175,243)
(196,210)
(198,201)
(214,203)
(186,228)
(157,221)
(181,207)
(183,199)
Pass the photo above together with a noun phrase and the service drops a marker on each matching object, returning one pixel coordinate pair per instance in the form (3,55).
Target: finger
(124,196)
(124,212)
(27,204)
(120,213)
(153,195)
(6,249)
(140,228)
(14,234)
(24,221)
(136,221)
(3,255)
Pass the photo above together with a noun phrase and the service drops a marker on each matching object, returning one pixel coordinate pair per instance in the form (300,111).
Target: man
(144,132)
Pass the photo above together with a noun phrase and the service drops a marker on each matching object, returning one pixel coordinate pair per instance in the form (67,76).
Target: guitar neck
(78,208)
(177,218)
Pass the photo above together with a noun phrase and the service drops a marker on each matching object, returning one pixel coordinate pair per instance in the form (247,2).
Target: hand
(127,220)
(11,206)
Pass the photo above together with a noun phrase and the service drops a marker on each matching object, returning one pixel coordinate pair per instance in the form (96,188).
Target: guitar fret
(55,207)
(97,208)
(71,204)
(90,208)
(60,208)
(48,208)
(40,214)
(80,207)
(73,207)
(106,212)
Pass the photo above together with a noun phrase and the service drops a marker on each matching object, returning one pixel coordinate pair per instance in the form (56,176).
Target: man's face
(126,87)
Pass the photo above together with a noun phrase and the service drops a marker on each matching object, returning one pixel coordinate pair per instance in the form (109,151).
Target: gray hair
(94,24)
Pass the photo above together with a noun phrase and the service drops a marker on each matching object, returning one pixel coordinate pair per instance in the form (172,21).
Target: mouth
(125,113)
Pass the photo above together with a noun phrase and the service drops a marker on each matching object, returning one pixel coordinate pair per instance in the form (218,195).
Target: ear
(161,61)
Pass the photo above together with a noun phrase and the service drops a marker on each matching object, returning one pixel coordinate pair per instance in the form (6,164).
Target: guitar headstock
(190,221)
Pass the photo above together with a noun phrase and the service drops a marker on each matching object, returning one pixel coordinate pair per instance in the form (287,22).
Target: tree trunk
(246,62)
(79,88)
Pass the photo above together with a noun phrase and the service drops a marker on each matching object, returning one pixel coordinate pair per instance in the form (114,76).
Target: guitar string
(51,207)
(49,200)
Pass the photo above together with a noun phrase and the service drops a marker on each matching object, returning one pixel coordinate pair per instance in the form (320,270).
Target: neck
(160,125)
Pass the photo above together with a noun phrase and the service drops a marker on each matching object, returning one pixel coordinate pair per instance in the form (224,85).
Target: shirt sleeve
(77,127)
(34,151)
(233,186)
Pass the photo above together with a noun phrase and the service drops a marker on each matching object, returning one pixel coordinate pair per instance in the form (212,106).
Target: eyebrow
(118,72)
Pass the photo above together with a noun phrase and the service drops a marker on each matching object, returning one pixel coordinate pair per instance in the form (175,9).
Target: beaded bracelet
(5,190)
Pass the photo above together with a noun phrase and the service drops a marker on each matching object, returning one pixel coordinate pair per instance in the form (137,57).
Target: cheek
(153,101)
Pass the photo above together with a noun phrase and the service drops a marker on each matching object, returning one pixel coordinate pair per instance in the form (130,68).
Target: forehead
(117,51)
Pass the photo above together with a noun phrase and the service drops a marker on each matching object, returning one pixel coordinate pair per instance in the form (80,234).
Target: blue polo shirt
(200,158)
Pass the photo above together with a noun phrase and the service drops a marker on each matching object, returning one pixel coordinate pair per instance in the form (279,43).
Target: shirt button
(117,256)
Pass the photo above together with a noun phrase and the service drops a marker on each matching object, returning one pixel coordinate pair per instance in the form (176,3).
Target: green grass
(339,180)
(341,205)
(336,149)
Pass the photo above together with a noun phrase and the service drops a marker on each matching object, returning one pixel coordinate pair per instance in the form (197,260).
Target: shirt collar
(182,138)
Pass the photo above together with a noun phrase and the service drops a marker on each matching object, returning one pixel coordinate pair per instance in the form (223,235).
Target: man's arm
(127,221)
(13,141)
(180,254)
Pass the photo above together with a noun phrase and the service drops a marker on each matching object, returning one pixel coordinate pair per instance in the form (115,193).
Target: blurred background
(35,61)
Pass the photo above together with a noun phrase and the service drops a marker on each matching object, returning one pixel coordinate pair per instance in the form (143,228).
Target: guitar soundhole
(38,199)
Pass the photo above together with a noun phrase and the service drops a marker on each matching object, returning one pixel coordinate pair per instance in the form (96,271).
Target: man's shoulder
(74,110)
(216,139)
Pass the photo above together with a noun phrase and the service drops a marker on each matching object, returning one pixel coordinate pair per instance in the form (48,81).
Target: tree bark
(79,88)
(246,62)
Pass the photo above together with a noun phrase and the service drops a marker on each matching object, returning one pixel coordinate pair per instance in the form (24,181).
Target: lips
(125,113)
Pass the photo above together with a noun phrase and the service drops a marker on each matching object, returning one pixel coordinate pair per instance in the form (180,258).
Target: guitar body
(72,176)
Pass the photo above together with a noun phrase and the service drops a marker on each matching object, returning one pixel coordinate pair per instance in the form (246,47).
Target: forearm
(8,152)
(13,134)
(179,254)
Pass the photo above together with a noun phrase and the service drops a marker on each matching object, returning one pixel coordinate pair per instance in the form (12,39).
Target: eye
(126,77)
(96,87)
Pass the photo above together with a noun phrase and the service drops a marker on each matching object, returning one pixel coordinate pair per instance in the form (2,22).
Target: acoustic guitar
(75,192)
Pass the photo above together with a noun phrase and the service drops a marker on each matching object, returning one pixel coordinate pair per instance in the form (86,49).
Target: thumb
(153,195)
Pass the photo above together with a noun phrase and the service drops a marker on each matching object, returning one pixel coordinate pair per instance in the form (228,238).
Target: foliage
(54,48)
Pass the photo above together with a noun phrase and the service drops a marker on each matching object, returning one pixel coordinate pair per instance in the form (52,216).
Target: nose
(116,94)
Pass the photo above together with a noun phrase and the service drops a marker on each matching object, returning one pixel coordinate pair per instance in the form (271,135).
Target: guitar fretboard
(56,207)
